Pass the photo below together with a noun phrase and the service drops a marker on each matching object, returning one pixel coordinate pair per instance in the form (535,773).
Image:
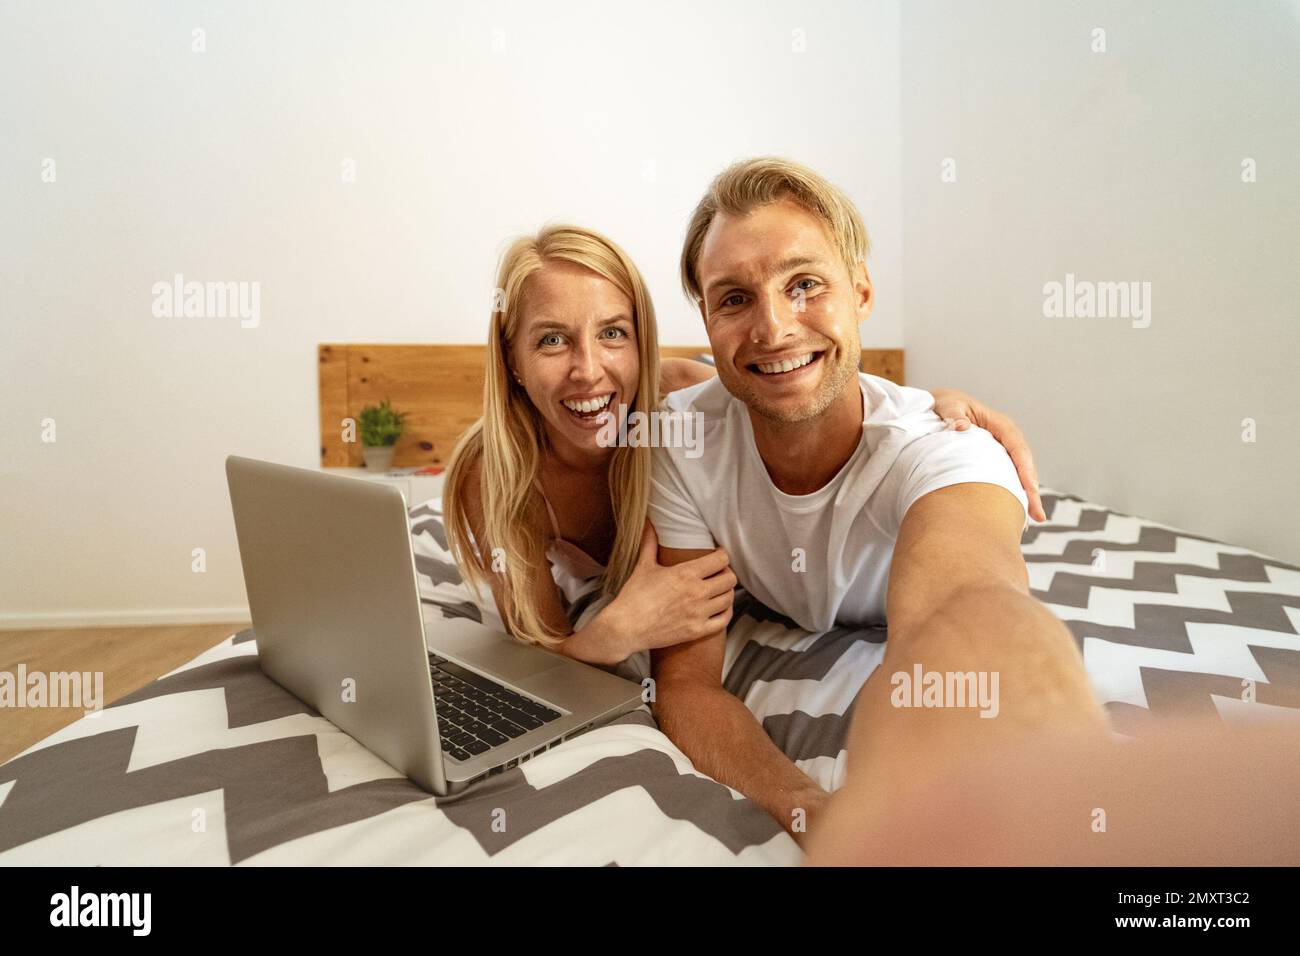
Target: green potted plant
(381,427)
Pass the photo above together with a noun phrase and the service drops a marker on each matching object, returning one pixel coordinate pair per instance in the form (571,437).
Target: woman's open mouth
(589,412)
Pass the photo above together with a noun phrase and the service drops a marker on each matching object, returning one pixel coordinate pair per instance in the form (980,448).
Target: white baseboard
(140,617)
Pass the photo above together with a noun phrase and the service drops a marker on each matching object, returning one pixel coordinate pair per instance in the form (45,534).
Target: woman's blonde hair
(507,443)
(745,185)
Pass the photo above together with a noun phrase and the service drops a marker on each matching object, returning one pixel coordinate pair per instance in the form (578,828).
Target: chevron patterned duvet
(214,764)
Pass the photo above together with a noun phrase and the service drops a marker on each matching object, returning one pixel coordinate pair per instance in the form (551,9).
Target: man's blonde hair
(751,183)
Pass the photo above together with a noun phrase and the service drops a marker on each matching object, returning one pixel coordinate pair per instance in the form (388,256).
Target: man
(840,498)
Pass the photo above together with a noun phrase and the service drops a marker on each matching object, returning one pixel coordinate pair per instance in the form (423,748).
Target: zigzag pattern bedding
(215,764)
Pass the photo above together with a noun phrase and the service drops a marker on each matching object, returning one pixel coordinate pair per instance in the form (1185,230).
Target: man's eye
(806,288)
(733,299)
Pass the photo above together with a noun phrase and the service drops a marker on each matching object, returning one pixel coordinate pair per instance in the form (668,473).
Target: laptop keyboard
(476,714)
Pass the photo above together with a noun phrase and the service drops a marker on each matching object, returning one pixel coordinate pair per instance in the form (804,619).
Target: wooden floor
(129,658)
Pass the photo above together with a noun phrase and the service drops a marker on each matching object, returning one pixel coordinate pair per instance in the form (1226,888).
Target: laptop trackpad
(482,649)
(516,663)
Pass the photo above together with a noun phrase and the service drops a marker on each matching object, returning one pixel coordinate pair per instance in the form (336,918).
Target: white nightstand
(415,489)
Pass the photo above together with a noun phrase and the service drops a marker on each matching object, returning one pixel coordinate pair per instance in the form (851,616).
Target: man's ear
(864,297)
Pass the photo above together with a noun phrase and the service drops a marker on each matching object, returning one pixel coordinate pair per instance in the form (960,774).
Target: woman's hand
(959,411)
(659,606)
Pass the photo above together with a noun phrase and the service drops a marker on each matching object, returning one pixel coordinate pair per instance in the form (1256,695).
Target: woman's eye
(616,332)
(551,339)
(731,300)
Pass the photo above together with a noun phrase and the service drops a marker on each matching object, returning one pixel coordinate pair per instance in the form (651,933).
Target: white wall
(1123,165)
(468,122)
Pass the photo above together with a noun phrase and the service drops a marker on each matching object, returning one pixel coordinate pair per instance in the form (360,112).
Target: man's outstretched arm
(719,733)
(959,603)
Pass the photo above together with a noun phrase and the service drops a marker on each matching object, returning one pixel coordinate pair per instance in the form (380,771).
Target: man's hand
(1188,792)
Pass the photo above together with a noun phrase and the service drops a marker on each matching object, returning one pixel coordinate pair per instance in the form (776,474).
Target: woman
(536,505)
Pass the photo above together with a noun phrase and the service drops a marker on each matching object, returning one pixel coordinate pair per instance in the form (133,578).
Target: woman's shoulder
(470,493)
(678,373)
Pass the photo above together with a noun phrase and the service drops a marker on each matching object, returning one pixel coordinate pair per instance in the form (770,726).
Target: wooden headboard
(440,387)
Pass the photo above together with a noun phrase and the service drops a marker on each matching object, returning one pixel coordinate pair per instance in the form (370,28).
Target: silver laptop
(336,611)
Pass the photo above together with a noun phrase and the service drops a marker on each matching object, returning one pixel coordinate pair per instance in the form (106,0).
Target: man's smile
(785,367)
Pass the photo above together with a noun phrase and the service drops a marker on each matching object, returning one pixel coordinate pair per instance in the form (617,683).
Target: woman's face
(575,351)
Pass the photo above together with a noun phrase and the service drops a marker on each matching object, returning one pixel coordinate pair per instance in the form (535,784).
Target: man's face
(781,310)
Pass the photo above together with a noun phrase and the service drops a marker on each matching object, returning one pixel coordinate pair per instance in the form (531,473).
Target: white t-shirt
(845,531)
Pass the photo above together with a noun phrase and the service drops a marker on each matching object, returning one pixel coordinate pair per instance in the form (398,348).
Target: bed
(213,764)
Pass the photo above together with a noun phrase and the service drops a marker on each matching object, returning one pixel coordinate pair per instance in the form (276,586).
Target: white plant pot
(378,458)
